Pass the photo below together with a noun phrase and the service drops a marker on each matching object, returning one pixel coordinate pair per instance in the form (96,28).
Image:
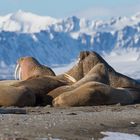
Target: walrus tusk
(18,72)
(70,78)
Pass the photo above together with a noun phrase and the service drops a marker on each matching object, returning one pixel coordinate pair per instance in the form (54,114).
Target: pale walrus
(88,59)
(29,66)
(95,93)
(98,73)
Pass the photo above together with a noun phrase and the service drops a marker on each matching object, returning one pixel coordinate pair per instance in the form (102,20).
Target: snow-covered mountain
(25,22)
(59,41)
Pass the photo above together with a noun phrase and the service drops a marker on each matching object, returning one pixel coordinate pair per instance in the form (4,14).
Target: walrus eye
(18,72)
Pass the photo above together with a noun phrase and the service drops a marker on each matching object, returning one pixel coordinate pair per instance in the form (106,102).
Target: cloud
(108,12)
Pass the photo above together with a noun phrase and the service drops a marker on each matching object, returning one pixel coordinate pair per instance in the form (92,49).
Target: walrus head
(86,61)
(29,66)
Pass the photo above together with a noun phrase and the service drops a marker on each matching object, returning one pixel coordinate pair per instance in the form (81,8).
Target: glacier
(57,42)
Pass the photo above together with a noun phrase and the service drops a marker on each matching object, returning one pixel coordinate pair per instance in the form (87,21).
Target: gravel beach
(77,123)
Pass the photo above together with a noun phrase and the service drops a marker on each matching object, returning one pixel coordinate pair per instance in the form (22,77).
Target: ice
(119,136)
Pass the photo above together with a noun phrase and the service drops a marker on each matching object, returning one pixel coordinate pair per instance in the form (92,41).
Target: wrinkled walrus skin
(95,93)
(88,59)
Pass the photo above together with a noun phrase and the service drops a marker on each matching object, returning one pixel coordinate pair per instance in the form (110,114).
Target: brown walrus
(98,73)
(40,86)
(95,93)
(87,62)
(16,96)
(88,59)
(29,66)
(34,88)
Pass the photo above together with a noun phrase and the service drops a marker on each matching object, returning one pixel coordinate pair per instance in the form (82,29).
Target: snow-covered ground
(125,62)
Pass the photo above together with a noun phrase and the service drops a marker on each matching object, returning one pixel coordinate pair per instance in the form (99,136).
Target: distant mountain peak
(26,22)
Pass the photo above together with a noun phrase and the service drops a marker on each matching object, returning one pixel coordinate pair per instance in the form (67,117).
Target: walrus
(13,96)
(13,91)
(29,66)
(96,93)
(87,62)
(16,96)
(88,59)
(98,73)
(41,86)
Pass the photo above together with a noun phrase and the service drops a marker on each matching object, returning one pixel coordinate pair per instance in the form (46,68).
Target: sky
(82,8)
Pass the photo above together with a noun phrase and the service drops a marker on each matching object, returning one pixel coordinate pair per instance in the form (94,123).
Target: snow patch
(119,136)
(34,37)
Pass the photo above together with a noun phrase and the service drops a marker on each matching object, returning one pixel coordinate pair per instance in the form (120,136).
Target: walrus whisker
(70,78)
(17,71)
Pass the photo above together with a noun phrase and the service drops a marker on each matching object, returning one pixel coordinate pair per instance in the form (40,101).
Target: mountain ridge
(59,41)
